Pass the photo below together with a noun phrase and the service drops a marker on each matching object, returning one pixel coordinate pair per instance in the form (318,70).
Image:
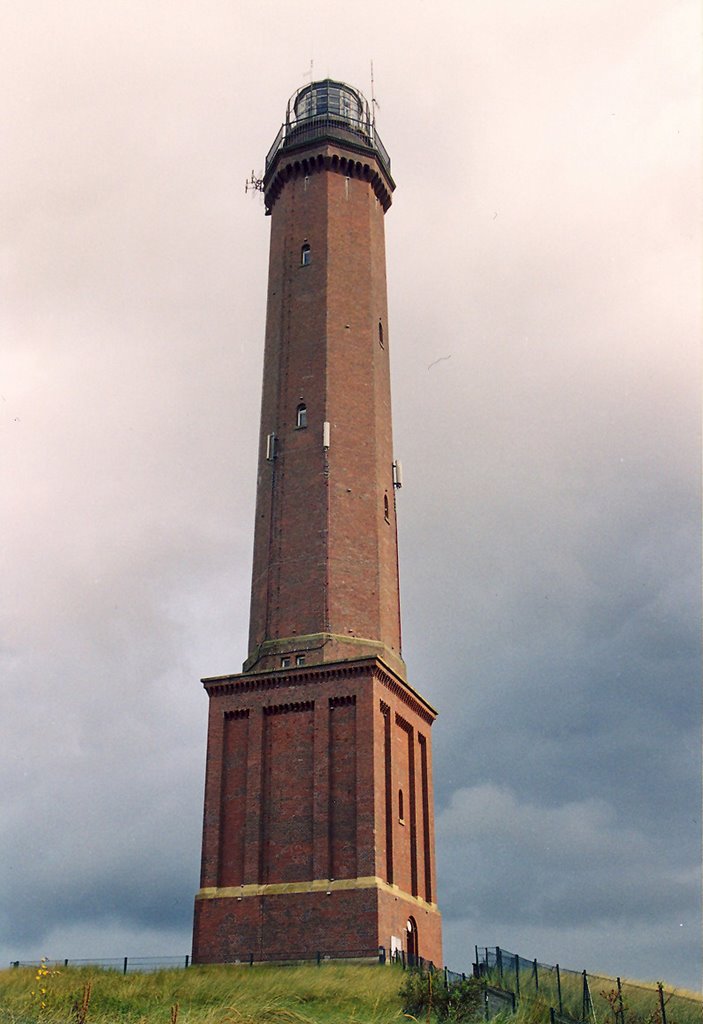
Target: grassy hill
(307,994)
(329,994)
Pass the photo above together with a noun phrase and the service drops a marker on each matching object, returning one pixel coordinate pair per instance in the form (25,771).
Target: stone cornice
(405,693)
(323,155)
(305,675)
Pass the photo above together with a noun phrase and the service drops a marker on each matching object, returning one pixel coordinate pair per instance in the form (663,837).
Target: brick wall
(325,553)
(301,791)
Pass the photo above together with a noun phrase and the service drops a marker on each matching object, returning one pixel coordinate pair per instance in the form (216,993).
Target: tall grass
(329,994)
(264,994)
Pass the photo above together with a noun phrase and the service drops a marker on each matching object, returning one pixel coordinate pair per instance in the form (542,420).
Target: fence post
(251,959)
(187,960)
(586,1002)
(662,1004)
(499,961)
(561,1008)
(124,966)
(551,1015)
(381,954)
(517,975)
(476,972)
(402,957)
(536,974)
(446,980)
(65,963)
(620,1015)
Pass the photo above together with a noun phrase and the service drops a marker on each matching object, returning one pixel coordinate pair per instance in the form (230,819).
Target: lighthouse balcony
(338,127)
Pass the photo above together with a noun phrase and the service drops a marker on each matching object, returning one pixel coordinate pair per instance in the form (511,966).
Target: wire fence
(124,964)
(579,996)
(149,964)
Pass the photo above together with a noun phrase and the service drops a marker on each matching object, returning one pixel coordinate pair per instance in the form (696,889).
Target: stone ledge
(324,885)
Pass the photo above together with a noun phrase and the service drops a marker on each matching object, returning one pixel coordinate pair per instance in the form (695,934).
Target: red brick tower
(319,834)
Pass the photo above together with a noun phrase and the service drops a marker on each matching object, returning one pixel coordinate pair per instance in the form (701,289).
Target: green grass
(329,994)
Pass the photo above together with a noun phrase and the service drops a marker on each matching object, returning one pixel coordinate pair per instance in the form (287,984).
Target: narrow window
(380,333)
(386,513)
(401,809)
(301,416)
(305,256)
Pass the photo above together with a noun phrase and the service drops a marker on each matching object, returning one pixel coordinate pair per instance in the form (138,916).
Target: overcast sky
(544,245)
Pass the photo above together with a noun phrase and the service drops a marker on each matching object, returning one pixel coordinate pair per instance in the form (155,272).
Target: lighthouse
(318,834)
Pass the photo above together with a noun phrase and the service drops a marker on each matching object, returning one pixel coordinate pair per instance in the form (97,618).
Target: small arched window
(386,510)
(305,255)
(380,333)
(401,808)
(301,416)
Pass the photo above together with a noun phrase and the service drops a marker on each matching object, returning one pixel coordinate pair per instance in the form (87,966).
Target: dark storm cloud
(567,865)
(543,238)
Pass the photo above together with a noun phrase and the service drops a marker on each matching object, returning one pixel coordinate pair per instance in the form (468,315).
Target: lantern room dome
(330,99)
(328,110)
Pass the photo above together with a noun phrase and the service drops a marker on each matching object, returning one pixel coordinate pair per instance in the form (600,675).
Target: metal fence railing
(124,964)
(148,964)
(580,996)
(306,129)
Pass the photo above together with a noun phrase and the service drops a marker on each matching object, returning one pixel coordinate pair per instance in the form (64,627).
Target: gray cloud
(553,865)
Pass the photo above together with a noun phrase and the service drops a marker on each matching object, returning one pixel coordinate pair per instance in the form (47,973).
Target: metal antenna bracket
(253,184)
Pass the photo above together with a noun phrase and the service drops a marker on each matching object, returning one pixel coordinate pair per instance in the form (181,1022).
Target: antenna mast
(374,101)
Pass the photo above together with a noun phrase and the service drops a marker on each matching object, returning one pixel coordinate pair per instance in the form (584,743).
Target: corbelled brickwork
(318,830)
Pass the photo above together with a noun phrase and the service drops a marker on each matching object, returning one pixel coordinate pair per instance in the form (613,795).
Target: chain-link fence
(581,996)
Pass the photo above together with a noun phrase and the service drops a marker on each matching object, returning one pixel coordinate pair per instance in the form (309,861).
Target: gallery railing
(347,129)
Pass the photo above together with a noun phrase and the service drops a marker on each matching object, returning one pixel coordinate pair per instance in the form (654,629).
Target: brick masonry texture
(318,832)
(325,556)
(320,758)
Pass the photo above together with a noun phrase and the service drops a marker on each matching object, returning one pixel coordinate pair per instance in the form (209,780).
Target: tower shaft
(325,577)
